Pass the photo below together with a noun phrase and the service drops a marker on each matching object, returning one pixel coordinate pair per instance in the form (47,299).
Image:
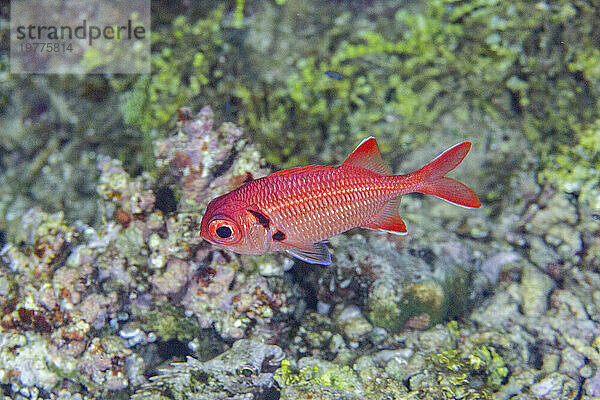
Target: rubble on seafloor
(462,308)
(246,370)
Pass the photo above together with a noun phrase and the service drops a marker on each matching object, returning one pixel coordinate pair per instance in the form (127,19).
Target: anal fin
(313,253)
(388,219)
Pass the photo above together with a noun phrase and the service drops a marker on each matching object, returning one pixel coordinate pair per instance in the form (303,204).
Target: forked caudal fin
(431,178)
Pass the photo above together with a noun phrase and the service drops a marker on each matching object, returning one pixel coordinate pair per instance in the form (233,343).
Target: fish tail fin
(431,178)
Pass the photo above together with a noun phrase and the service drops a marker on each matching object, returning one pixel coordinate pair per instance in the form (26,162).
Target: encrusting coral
(76,300)
(243,372)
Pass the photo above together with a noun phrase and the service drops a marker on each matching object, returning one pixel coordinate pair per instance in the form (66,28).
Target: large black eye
(224,232)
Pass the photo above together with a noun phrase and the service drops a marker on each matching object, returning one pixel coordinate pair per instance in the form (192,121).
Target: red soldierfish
(296,209)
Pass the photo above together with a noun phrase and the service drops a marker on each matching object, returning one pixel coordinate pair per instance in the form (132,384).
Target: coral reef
(241,372)
(577,168)
(75,300)
(105,282)
(91,311)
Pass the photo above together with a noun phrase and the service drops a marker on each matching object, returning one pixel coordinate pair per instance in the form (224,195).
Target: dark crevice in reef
(165,200)
(224,167)
(5,390)
(299,272)
(272,393)
(536,357)
(173,349)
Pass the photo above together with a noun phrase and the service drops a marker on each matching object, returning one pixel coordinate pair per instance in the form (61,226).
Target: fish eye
(224,232)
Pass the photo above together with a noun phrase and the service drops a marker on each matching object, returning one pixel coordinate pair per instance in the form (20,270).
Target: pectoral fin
(313,253)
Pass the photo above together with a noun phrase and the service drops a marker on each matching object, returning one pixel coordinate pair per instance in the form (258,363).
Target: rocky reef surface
(496,303)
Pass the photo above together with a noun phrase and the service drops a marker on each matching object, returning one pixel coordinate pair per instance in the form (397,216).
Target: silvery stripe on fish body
(314,206)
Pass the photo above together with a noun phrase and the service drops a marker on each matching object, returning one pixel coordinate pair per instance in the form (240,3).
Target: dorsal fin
(367,156)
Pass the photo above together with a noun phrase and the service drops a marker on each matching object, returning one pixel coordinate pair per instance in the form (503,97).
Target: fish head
(228,224)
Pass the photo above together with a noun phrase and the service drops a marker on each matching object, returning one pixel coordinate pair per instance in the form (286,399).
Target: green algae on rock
(315,378)
(447,374)
(455,374)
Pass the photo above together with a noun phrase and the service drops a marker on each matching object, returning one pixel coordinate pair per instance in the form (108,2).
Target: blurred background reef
(101,188)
